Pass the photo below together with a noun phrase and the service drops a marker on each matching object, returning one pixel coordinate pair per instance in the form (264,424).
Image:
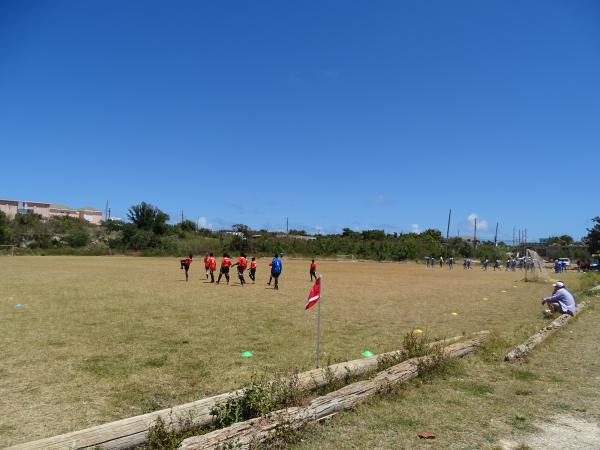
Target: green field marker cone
(367,353)
(247,354)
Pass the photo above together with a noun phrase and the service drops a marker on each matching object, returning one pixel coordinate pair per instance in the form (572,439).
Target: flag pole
(319,319)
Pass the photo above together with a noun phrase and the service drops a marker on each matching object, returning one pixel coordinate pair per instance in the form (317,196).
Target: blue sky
(334,113)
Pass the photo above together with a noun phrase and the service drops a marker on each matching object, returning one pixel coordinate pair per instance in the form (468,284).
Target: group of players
(512,263)
(210,265)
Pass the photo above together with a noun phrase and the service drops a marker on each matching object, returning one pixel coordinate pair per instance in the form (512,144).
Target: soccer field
(100,338)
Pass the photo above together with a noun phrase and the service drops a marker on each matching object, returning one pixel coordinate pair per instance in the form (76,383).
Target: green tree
(148,217)
(565,239)
(4,229)
(188,225)
(79,238)
(592,240)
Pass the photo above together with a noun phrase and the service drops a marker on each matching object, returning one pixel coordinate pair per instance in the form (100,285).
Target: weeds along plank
(133,431)
(245,434)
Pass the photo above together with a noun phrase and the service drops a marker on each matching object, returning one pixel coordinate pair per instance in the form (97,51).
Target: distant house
(232,233)
(301,237)
(47,210)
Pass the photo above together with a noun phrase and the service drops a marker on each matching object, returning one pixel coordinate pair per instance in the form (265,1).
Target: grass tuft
(260,396)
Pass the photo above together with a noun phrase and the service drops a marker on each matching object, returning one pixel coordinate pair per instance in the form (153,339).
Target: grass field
(482,402)
(102,338)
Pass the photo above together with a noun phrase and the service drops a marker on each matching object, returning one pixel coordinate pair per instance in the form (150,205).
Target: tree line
(147,231)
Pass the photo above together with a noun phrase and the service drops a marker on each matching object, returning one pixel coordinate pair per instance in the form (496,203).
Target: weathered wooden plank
(521,350)
(127,433)
(244,434)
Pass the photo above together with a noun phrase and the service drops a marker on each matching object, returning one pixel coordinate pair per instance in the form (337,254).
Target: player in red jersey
(225,265)
(252,274)
(241,264)
(185,265)
(206,264)
(313,270)
(212,266)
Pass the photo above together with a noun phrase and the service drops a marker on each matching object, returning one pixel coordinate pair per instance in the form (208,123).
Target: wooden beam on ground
(244,434)
(133,431)
(521,350)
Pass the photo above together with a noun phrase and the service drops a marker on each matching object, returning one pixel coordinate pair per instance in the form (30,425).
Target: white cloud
(318,229)
(414,228)
(481,224)
(380,199)
(203,223)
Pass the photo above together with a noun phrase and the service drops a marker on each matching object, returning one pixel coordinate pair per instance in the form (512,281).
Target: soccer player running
(185,265)
(252,273)
(206,264)
(497,265)
(313,270)
(241,264)
(225,265)
(276,267)
(212,266)
(451,263)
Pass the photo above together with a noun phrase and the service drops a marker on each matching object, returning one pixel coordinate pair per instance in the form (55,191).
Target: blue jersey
(276,265)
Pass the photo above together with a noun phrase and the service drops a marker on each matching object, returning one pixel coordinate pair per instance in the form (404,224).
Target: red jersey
(313,266)
(187,261)
(206,262)
(253,264)
(212,263)
(226,262)
(242,262)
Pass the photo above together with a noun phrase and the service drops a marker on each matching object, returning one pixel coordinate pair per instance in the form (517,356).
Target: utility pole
(182,216)
(496,236)
(106,211)
(475,237)
(287,225)
(448,232)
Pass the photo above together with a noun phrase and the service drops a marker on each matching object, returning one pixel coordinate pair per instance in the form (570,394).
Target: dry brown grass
(101,338)
(482,401)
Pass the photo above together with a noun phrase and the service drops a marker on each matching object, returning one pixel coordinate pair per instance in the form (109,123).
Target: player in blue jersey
(276,267)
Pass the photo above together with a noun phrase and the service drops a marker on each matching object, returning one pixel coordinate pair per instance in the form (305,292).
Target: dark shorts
(241,270)
(185,266)
(252,271)
(224,269)
(559,308)
(275,274)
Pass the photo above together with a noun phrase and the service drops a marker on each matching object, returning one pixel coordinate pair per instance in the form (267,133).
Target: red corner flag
(315,294)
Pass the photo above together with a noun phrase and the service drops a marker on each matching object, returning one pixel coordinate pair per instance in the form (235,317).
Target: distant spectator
(557,266)
(561,301)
